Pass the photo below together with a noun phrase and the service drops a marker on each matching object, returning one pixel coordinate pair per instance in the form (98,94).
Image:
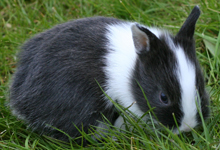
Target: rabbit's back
(55,82)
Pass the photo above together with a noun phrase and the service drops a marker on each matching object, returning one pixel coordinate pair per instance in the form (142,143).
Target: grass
(22,19)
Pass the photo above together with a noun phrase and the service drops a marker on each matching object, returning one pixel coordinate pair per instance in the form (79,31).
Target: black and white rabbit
(55,82)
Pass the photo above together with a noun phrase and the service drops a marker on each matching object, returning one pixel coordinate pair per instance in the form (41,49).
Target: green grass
(20,20)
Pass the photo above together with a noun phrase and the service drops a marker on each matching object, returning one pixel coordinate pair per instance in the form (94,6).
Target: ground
(22,19)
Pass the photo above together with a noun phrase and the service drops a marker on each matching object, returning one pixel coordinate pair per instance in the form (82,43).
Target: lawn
(22,19)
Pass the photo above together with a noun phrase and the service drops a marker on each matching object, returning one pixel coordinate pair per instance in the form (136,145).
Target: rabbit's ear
(188,28)
(143,39)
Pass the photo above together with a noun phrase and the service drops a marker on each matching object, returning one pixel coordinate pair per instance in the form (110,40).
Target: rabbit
(56,83)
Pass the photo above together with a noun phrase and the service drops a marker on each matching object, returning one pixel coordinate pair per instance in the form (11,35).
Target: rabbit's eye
(163,98)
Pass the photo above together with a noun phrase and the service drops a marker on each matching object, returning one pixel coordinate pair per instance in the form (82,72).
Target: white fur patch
(187,78)
(119,123)
(120,62)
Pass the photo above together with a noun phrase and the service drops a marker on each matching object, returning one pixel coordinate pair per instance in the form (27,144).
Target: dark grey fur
(55,79)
